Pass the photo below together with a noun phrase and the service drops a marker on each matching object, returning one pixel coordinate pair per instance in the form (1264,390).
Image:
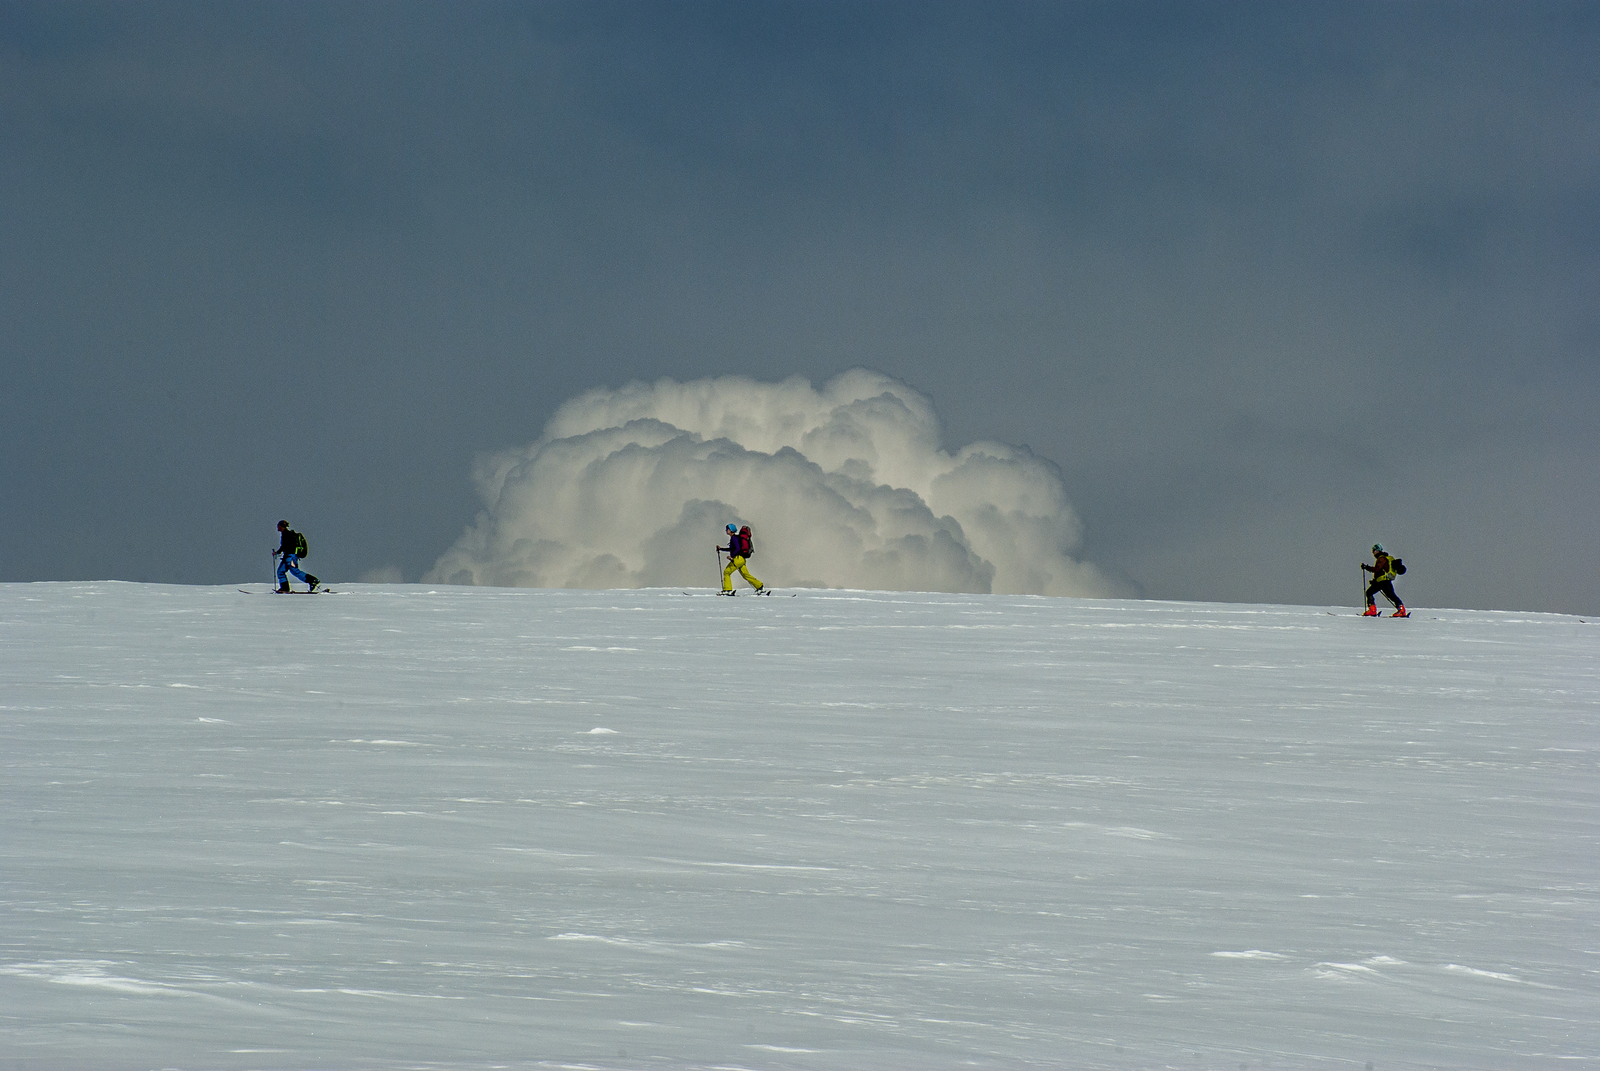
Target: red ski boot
(1371,611)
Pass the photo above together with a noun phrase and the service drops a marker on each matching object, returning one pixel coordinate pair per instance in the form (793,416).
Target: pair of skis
(731,594)
(1373,615)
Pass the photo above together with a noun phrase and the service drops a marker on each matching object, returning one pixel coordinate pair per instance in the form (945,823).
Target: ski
(731,594)
(269,591)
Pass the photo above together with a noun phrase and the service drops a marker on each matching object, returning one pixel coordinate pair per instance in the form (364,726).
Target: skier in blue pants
(290,546)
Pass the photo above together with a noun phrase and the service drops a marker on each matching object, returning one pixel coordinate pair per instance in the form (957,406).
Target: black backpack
(747,546)
(1398,566)
(300,548)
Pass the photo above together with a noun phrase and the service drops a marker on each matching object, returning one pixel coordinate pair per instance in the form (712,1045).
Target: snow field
(464,827)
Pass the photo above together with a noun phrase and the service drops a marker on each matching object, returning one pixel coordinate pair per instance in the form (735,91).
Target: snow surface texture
(473,827)
(846,487)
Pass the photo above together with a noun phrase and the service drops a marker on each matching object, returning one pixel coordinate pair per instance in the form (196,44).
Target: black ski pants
(1385,586)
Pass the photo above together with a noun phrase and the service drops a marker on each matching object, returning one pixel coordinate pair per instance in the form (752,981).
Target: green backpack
(300,548)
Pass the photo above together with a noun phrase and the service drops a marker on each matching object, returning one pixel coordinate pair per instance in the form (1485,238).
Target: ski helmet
(282,525)
(1377,548)
(732,530)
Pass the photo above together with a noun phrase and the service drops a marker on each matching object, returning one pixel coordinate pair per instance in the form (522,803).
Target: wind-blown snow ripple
(846,831)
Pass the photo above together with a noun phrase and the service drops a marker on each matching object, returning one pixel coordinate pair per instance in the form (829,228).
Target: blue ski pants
(290,564)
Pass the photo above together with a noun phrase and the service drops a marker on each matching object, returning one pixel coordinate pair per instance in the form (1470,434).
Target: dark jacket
(290,540)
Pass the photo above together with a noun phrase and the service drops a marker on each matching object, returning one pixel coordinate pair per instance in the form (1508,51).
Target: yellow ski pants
(737,562)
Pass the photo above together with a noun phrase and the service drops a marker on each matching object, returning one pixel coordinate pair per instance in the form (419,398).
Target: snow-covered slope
(629,829)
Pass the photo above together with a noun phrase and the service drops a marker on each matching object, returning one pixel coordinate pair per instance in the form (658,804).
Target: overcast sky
(1267,282)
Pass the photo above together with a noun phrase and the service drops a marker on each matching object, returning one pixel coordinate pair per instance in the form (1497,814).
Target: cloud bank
(845,487)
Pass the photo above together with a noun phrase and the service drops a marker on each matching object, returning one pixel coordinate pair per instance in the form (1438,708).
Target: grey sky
(1268,282)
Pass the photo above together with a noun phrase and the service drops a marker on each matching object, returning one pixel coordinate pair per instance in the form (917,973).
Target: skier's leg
(1388,593)
(292,564)
(1372,589)
(283,566)
(744,571)
(727,574)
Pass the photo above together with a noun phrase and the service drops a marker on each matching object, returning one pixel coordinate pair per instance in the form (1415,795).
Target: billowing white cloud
(844,487)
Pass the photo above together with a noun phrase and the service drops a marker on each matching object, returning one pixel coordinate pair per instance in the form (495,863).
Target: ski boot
(1370,611)
(313,581)
(283,588)
(1400,611)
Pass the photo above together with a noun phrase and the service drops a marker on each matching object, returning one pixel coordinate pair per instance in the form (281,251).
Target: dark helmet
(1377,548)
(282,525)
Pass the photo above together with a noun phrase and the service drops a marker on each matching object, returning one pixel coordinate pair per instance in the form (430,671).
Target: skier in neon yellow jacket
(1383,573)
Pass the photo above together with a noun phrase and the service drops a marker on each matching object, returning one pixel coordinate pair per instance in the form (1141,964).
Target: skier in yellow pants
(739,550)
